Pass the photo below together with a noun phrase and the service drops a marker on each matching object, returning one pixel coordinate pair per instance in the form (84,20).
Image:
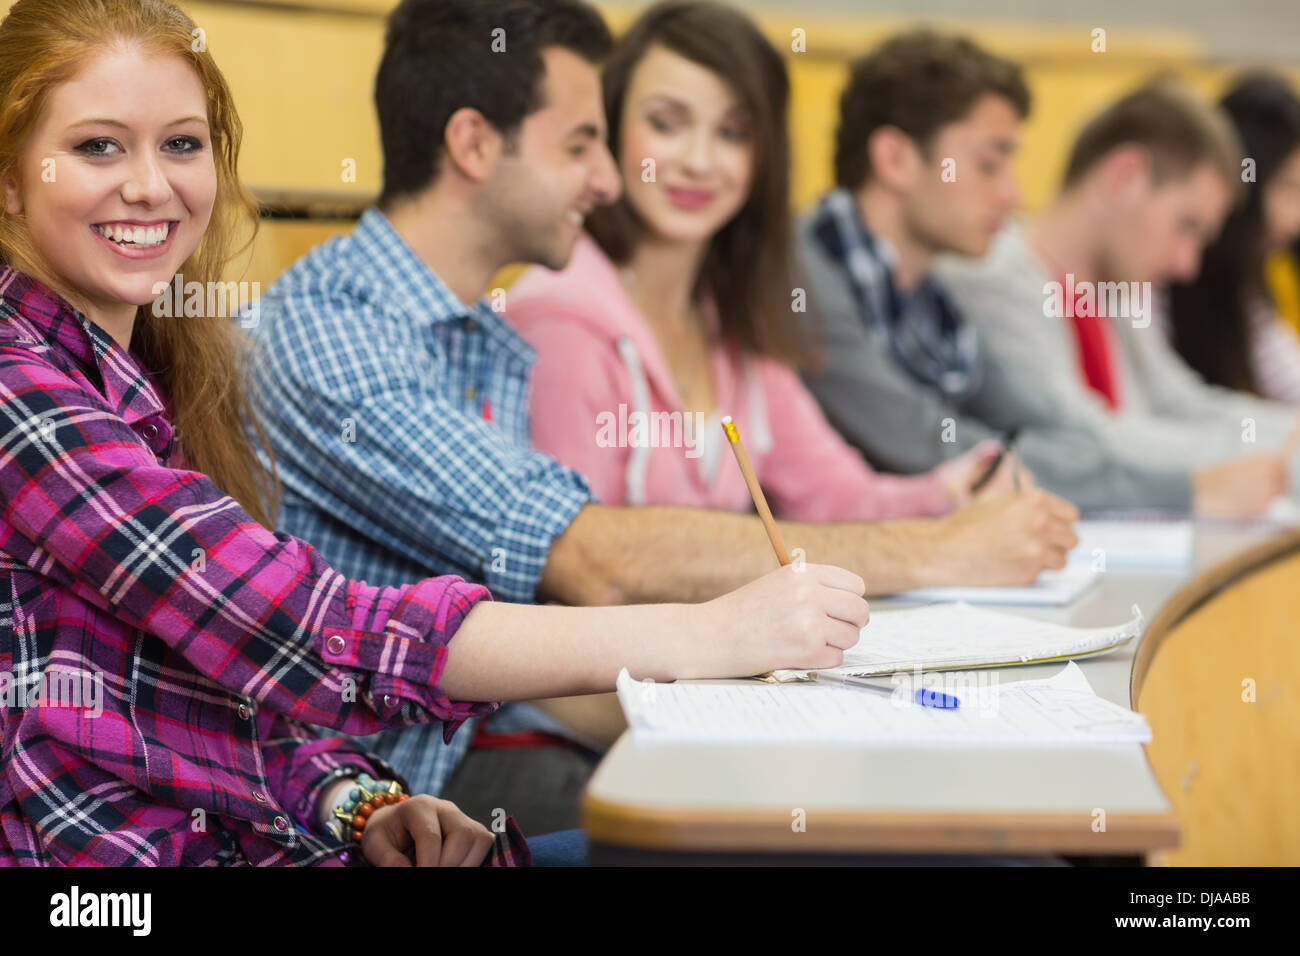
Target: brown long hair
(195,359)
(748,269)
(1211,316)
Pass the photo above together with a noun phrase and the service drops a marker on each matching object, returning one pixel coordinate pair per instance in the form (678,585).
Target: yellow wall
(319,66)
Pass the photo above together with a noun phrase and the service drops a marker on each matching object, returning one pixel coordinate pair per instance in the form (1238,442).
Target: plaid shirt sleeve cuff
(509,847)
(301,764)
(402,645)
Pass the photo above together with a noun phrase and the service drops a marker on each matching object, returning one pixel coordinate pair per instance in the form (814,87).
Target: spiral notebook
(957,636)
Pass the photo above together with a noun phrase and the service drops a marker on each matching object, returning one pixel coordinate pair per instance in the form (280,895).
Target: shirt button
(336,644)
(150,431)
(469,393)
(244,712)
(259,796)
(471,325)
(390,700)
(281,824)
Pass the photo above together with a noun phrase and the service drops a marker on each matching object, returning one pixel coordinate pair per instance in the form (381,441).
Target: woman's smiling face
(689,121)
(117,178)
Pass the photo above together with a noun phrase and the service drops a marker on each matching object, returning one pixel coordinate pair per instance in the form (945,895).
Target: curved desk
(1218,677)
(652,802)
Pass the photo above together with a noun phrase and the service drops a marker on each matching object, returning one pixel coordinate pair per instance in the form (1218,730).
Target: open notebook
(1282,510)
(1050,588)
(1134,543)
(955,636)
(1062,710)
(1105,544)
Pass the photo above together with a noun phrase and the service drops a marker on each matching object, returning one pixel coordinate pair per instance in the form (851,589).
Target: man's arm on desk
(638,555)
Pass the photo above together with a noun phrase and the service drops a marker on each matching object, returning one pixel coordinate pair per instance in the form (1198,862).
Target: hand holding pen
(1004,453)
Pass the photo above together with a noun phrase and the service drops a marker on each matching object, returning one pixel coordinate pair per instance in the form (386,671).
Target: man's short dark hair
(444,55)
(1178,129)
(918,82)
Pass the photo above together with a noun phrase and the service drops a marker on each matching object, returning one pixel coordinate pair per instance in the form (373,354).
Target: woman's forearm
(798,617)
(522,652)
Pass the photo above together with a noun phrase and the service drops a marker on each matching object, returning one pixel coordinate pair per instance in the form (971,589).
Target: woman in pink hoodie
(679,307)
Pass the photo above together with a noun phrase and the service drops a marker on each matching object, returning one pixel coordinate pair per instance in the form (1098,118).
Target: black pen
(1007,441)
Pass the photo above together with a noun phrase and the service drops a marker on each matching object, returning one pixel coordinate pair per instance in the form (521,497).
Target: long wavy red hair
(196,359)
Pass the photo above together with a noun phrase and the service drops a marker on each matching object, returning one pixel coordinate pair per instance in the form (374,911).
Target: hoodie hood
(588,292)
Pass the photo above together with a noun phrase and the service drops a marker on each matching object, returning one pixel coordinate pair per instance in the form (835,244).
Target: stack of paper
(948,636)
(1284,511)
(1051,588)
(1060,711)
(1107,545)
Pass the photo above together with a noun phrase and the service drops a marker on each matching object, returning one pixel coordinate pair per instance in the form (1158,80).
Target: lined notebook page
(1052,588)
(1062,710)
(949,636)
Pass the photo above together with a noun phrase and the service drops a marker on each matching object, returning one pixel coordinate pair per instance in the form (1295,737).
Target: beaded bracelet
(363,800)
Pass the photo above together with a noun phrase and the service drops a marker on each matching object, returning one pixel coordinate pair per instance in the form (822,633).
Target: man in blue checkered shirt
(399,413)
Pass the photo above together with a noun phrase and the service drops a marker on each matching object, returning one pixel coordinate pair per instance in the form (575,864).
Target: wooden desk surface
(751,797)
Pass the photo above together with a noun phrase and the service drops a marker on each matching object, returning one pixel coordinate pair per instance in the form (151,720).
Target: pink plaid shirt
(213,641)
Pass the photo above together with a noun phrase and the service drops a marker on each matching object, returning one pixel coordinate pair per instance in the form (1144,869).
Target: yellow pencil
(760,502)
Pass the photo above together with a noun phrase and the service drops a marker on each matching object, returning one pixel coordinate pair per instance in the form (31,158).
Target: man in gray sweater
(1070,304)
(928,127)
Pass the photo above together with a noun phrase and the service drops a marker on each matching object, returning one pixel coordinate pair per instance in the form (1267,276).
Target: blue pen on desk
(922,697)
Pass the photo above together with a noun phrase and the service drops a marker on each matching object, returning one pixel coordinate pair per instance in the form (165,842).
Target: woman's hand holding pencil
(814,612)
(810,615)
